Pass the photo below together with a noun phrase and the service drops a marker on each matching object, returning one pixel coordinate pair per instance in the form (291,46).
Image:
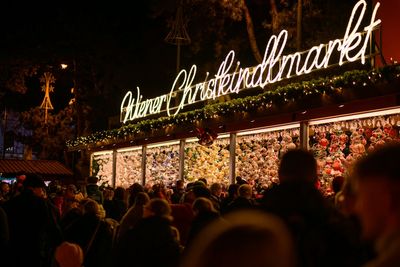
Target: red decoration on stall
(206,136)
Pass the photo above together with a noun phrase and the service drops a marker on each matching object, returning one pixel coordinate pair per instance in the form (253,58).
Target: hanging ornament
(206,136)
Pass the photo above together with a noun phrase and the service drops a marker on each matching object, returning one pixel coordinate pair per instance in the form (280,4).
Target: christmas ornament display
(162,166)
(103,168)
(338,145)
(257,156)
(210,162)
(128,170)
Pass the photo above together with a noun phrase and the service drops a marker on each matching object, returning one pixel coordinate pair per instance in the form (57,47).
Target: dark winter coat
(150,244)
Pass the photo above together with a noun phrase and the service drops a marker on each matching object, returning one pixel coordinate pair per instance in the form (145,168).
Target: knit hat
(69,255)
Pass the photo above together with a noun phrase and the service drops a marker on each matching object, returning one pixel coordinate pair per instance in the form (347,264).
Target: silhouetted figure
(204,214)
(244,200)
(232,194)
(134,214)
(377,189)
(34,230)
(153,242)
(319,236)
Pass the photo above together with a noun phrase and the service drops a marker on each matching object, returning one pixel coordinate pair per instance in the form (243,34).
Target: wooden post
(232,157)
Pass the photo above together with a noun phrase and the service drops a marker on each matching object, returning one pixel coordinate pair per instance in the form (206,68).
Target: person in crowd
(204,213)
(232,195)
(33,225)
(92,234)
(376,180)
(70,200)
(133,190)
(93,191)
(4,233)
(179,190)
(336,186)
(244,200)
(183,214)
(243,238)
(4,192)
(153,242)
(18,185)
(117,207)
(204,180)
(134,214)
(69,255)
(55,195)
(240,180)
(321,237)
(215,197)
(159,191)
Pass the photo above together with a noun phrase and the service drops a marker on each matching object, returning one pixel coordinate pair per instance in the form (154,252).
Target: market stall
(339,115)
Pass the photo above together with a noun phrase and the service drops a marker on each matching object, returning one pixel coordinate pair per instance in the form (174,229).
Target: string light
(348,81)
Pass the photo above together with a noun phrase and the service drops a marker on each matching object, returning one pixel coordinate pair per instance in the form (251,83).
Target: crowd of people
(200,224)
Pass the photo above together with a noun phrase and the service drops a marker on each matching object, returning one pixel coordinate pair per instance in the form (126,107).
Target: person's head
(90,207)
(180,185)
(141,199)
(92,180)
(20,177)
(158,207)
(240,181)
(202,205)
(204,180)
(4,188)
(233,190)
(35,184)
(376,179)
(337,184)
(216,189)
(298,165)
(69,255)
(201,191)
(120,193)
(245,191)
(244,238)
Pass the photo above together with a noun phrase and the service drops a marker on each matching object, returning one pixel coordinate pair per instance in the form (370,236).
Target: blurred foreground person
(376,179)
(245,238)
(69,255)
(34,230)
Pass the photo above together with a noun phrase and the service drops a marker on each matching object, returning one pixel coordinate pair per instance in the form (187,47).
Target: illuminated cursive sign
(231,78)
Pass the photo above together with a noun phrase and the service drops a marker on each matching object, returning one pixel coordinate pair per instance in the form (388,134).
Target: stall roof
(45,168)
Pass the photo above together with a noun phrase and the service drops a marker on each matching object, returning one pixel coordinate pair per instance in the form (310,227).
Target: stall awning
(48,169)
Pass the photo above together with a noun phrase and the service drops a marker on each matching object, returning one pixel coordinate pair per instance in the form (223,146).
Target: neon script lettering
(231,78)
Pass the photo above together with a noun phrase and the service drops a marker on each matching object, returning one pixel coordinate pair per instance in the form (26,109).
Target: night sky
(129,41)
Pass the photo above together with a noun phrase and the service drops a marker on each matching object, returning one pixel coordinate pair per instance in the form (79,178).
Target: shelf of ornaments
(162,165)
(257,156)
(128,168)
(207,161)
(104,168)
(337,145)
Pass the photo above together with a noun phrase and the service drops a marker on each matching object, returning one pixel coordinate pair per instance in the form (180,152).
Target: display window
(128,167)
(102,167)
(207,161)
(258,154)
(162,164)
(337,143)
